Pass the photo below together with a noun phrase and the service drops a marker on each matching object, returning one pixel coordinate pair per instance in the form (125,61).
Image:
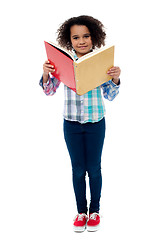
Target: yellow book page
(92,72)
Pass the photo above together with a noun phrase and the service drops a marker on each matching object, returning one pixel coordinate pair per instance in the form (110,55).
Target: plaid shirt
(85,108)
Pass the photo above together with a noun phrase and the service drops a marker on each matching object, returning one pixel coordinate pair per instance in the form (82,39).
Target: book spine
(75,65)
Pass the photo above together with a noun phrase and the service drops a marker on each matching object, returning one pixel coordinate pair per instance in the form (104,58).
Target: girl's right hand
(47,68)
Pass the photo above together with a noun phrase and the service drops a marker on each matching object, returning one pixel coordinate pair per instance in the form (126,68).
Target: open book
(85,74)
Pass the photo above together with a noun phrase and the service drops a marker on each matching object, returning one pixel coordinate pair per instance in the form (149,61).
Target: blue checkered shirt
(85,108)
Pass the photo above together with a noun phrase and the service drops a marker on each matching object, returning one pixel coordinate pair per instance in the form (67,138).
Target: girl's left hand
(114,72)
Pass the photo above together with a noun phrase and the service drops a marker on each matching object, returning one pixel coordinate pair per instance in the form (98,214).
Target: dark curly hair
(95,27)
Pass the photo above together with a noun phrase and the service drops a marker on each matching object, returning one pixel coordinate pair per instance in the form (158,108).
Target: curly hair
(95,27)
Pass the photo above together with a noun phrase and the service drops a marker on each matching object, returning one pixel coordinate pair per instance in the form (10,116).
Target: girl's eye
(87,36)
(75,38)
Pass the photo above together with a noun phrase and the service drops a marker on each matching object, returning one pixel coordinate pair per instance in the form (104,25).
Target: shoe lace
(94,215)
(80,216)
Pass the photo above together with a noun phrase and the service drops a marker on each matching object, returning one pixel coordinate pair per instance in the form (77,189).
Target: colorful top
(85,108)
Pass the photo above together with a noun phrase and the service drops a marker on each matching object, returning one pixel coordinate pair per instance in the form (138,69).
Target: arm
(48,82)
(49,87)
(111,88)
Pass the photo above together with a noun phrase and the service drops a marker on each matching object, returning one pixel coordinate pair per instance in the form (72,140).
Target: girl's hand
(114,72)
(47,67)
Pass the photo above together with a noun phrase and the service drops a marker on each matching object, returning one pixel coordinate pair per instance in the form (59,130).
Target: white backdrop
(37,199)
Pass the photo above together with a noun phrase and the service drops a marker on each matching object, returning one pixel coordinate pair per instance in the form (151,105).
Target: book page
(62,50)
(92,72)
(93,53)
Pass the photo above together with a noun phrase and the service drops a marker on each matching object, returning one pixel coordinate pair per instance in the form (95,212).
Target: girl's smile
(80,39)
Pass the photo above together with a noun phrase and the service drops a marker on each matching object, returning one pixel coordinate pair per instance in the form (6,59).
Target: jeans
(85,143)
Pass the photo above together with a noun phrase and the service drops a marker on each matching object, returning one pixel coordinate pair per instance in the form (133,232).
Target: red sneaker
(93,223)
(80,222)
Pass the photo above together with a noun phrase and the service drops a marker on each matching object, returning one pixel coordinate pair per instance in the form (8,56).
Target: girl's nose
(81,41)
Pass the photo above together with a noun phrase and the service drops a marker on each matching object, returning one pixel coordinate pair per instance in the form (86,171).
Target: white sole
(93,229)
(79,229)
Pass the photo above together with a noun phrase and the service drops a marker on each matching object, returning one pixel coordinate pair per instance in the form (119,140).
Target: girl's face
(80,39)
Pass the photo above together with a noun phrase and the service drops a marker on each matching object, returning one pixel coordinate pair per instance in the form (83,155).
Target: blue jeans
(85,143)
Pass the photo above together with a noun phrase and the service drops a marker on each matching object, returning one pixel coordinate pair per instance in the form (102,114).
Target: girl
(84,117)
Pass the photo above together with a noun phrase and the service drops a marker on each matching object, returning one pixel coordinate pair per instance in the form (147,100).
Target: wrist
(45,77)
(115,80)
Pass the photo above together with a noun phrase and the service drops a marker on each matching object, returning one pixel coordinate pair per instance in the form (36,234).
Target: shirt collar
(75,55)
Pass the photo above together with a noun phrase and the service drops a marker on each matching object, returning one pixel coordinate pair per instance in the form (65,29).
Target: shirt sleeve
(110,89)
(51,86)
